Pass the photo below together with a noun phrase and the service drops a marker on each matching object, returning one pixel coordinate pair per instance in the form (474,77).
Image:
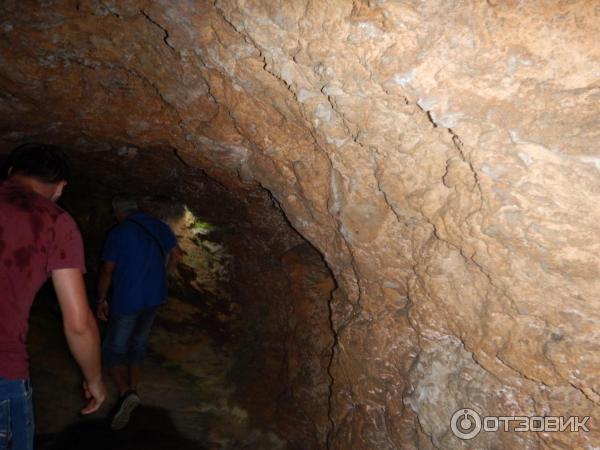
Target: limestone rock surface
(441,155)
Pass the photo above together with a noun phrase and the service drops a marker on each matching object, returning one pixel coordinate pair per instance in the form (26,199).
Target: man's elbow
(107,268)
(80,325)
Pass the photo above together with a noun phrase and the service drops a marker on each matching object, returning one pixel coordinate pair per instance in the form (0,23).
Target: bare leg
(119,375)
(135,375)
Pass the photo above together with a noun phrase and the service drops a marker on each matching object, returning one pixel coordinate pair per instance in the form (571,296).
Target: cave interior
(389,212)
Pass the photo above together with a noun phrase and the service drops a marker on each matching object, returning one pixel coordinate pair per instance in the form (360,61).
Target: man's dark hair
(47,163)
(125,203)
(162,207)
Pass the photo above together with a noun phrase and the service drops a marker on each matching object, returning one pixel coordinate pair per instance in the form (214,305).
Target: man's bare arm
(104,282)
(173,258)
(105,279)
(81,332)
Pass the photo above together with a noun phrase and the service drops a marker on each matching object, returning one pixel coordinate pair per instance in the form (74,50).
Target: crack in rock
(160,27)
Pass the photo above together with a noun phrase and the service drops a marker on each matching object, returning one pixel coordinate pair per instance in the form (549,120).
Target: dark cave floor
(186,396)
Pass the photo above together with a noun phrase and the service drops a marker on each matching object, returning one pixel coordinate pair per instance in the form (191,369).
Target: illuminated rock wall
(441,155)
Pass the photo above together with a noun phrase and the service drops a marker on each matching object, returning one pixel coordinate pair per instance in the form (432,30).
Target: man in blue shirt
(137,255)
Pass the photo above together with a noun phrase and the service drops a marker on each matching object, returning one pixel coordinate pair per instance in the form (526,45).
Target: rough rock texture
(440,155)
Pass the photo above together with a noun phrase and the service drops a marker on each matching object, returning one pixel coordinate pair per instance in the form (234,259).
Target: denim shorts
(16,415)
(126,338)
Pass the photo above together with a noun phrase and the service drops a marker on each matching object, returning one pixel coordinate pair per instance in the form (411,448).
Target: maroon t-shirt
(36,237)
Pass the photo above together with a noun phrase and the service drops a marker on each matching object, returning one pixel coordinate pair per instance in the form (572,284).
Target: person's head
(124,205)
(43,168)
(162,207)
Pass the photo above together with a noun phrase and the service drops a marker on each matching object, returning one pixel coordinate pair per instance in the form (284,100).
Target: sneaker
(126,405)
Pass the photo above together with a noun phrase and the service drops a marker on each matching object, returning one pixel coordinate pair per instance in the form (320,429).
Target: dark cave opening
(238,356)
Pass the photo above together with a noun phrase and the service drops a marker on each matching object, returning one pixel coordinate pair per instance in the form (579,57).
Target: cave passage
(390,210)
(225,351)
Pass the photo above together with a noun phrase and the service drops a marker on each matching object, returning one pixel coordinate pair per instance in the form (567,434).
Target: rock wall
(441,156)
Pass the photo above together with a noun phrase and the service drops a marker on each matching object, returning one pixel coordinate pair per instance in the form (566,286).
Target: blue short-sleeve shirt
(140,277)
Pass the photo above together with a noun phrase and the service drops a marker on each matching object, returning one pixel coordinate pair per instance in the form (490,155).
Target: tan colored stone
(441,155)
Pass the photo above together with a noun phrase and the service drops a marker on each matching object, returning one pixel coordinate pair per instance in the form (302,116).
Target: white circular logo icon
(465,424)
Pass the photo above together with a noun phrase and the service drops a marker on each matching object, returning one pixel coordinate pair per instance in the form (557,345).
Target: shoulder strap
(149,233)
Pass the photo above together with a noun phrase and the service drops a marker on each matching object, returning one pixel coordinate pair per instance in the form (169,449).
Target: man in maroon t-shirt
(39,240)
